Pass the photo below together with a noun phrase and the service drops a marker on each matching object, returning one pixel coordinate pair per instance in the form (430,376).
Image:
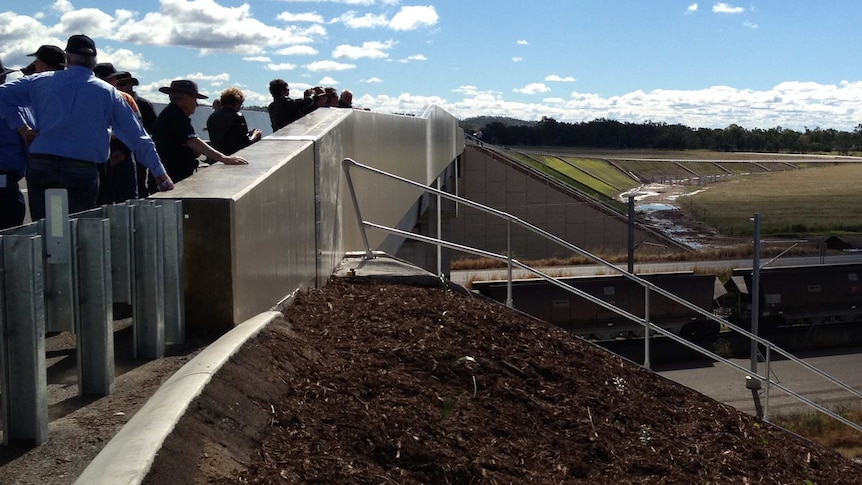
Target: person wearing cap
(75,112)
(13,161)
(48,58)
(175,137)
(118,176)
(228,130)
(126,83)
(284,110)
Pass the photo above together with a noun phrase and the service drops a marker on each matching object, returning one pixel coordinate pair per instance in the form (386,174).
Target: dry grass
(826,431)
(735,252)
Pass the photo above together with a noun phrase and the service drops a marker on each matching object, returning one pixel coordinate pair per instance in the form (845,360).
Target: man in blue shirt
(13,160)
(76,114)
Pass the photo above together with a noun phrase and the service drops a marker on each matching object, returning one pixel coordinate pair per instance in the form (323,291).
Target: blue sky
(763,64)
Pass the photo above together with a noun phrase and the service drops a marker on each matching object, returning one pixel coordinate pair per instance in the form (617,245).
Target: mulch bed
(375,383)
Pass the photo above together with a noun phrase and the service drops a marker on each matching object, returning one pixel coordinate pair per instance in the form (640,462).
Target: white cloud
(534,88)
(412,18)
(555,78)
(726,8)
(124,59)
(281,67)
(522,42)
(750,25)
(318,66)
(417,57)
(257,59)
(372,50)
(367,21)
(517,59)
(371,80)
(327,81)
(204,25)
(691,8)
(297,50)
(312,17)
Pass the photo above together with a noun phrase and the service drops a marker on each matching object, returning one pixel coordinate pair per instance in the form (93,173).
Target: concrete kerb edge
(127,458)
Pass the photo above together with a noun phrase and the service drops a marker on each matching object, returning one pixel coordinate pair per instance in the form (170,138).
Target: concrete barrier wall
(254,234)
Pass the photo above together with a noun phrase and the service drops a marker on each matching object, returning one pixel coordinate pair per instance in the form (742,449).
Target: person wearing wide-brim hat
(13,161)
(65,152)
(175,137)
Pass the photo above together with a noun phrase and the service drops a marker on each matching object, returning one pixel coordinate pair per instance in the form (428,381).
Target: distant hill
(479,121)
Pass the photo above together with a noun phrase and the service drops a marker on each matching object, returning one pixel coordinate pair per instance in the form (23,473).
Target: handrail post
(345,164)
(439,228)
(646,328)
(509,302)
(766,405)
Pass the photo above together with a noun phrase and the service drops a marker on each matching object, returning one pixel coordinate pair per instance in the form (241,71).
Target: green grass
(604,171)
(822,200)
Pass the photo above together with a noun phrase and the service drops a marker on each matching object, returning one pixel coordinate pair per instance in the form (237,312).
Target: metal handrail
(770,347)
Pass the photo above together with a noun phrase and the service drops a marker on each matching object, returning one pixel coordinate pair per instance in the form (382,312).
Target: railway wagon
(555,305)
(793,296)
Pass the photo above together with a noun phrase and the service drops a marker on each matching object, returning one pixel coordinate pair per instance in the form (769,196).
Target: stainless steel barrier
(65,273)
(649,327)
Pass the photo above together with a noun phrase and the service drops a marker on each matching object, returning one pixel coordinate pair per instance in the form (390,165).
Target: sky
(773,63)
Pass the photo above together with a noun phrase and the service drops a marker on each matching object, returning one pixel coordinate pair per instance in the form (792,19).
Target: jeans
(12,207)
(79,178)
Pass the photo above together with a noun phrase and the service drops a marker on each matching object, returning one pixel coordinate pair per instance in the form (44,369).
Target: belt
(66,160)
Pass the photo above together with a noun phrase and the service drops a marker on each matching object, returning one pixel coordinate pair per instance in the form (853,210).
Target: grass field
(820,200)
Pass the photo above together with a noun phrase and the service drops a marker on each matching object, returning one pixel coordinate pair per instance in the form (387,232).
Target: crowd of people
(106,144)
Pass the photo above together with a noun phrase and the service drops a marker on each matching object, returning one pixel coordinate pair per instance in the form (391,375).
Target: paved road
(726,384)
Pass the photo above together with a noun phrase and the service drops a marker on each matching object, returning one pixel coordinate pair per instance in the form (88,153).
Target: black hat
(4,71)
(183,86)
(125,76)
(106,70)
(29,69)
(51,55)
(82,45)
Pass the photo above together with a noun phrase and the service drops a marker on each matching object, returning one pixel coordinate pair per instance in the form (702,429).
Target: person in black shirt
(227,127)
(175,137)
(283,110)
(126,83)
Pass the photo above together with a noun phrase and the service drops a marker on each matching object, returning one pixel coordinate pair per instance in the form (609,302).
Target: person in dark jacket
(283,110)
(227,127)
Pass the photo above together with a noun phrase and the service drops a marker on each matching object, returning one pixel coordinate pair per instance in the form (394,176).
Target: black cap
(51,55)
(82,45)
(29,69)
(183,86)
(106,70)
(4,71)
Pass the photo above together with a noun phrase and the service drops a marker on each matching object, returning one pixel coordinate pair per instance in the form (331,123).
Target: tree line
(606,133)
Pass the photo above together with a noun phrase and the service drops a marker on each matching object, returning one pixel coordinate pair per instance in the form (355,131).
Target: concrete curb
(127,458)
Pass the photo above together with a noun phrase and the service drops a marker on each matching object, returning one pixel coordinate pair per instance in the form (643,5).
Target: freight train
(790,296)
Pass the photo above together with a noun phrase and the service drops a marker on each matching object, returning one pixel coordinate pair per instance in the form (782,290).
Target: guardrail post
(509,301)
(95,349)
(60,300)
(647,327)
(768,371)
(149,289)
(172,239)
(24,393)
(122,247)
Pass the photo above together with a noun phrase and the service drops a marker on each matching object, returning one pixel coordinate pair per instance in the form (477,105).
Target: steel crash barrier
(64,274)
